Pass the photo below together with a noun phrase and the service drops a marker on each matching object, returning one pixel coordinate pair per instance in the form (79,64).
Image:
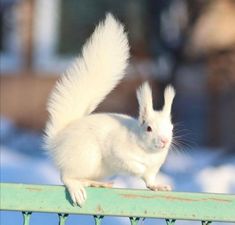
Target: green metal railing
(131,203)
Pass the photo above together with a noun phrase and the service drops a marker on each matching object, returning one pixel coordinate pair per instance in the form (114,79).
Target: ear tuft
(169,95)
(145,100)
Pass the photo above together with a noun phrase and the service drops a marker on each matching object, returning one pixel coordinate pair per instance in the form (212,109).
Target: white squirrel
(89,147)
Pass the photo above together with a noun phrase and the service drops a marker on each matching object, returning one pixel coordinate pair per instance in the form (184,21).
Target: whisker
(176,149)
(182,139)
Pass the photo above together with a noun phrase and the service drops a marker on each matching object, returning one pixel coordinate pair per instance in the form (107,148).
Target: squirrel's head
(156,128)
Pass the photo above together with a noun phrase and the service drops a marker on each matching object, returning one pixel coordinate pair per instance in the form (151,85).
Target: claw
(83,192)
(79,197)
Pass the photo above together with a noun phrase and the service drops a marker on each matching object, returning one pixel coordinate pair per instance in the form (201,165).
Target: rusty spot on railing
(133,196)
(173,198)
(220,200)
(33,189)
(99,209)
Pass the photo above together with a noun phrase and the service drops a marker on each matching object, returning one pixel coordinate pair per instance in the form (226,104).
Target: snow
(196,170)
(217,179)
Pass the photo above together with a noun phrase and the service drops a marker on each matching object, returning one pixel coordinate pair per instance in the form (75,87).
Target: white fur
(88,147)
(145,100)
(91,77)
(169,95)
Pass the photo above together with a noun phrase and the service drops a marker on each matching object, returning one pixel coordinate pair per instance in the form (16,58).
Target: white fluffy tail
(92,76)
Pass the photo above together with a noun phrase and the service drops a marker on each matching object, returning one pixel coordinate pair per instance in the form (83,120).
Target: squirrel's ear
(145,100)
(169,95)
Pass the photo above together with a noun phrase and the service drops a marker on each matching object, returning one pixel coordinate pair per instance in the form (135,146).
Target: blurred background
(189,43)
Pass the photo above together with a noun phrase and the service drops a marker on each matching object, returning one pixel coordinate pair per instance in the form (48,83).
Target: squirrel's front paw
(78,196)
(160,187)
(77,193)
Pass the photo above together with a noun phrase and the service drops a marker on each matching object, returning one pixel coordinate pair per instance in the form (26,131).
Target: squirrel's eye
(149,129)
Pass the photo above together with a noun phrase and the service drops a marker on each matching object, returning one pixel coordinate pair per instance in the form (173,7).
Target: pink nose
(164,141)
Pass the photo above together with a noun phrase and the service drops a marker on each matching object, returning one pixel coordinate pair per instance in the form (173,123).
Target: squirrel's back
(91,77)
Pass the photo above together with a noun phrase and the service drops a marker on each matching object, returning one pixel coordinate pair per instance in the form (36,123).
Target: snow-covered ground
(195,170)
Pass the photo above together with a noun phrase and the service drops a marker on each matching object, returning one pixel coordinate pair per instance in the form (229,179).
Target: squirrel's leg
(76,189)
(149,179)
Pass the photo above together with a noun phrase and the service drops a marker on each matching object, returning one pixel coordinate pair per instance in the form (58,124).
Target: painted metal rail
(131,203)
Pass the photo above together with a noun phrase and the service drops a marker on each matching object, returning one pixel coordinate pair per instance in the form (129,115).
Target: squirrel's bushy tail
(93,75)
